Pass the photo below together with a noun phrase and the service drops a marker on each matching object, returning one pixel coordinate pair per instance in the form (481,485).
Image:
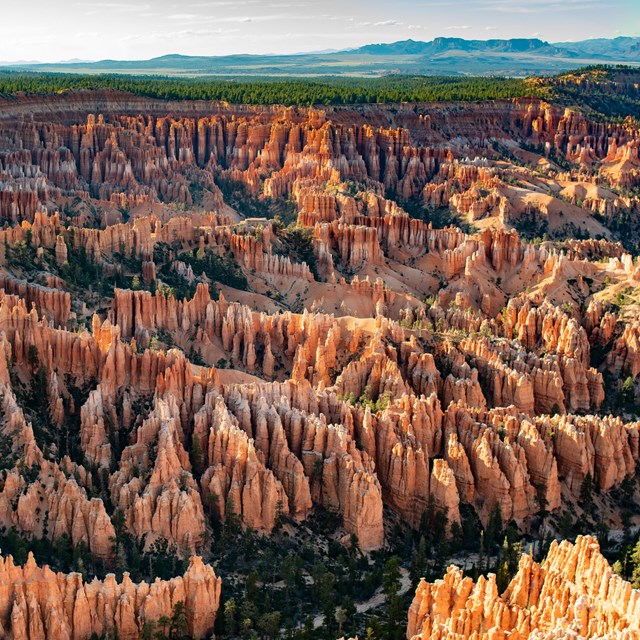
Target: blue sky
(52,30)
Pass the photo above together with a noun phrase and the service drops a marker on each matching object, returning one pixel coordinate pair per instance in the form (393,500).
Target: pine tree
(391,576)
(586,490)
(635,563)
(179,624)
(230,610)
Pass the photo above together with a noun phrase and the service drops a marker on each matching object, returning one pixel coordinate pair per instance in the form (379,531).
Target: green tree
(196,455)
(566,525)
(251,586)
(586,490)
(327,599)
(246,628)
(396,614)
(418,565)
(269,624)
(33,357)
(349,608)
(635,564)
(494,527)
(289,570)
(179,622)
(230,612)
(627,392)
(279,517)
(308,629)
(502,575)
(618,568)
(374,630)
(148,630)
(249,611)
(391,576)
(627,489)
(164,624)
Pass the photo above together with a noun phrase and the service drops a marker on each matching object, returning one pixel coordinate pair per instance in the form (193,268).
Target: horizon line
(75,61)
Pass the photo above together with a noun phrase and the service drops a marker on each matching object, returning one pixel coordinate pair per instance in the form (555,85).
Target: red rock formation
(573,594)
(624,357)
(61,250)
(417,389)
(164,501)
(311,458)
(38,603)
(353,244)
(53,304)
(53,504)
(236,479)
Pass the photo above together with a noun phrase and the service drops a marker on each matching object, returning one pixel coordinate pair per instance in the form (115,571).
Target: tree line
(290,92)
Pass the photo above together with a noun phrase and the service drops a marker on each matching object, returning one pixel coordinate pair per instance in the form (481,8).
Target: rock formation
(574,593)
(188,364)
(38,603)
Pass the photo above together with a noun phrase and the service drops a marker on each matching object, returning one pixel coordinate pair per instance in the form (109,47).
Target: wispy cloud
(215,4)
(381,23)
(387,23)
(462,27)
(545,6)
(221,3)
(177,35)
(198,19)
(93,8)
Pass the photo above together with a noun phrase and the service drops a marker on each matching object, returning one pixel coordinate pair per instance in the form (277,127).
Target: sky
(55,30)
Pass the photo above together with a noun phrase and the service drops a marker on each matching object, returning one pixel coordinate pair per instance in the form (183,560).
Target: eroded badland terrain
(264,368)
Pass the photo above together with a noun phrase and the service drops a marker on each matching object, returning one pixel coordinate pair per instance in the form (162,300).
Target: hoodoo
(262,368)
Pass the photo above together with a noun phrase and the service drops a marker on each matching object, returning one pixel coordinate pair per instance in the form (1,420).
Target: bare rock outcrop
(573,594)
(37,603)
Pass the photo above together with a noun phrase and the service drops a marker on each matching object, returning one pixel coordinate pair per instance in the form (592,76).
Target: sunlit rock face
(38,603)
(573,594)
(206,365)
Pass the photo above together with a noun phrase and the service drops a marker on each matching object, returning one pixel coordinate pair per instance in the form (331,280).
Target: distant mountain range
(445,56)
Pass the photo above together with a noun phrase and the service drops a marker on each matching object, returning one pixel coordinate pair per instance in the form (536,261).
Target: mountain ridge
(442,55)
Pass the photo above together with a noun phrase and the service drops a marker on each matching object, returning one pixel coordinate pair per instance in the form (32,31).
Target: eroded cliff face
(573,594)
(281,447)
(37,603)
(203,366)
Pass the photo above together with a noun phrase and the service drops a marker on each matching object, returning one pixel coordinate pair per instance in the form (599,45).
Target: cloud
(199,19)
(119,7)
(415,26)
(336,18)
(213,4)
(177,35)
(222,3)
(545,6)
(381,23)
(458,27)
(183,16)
